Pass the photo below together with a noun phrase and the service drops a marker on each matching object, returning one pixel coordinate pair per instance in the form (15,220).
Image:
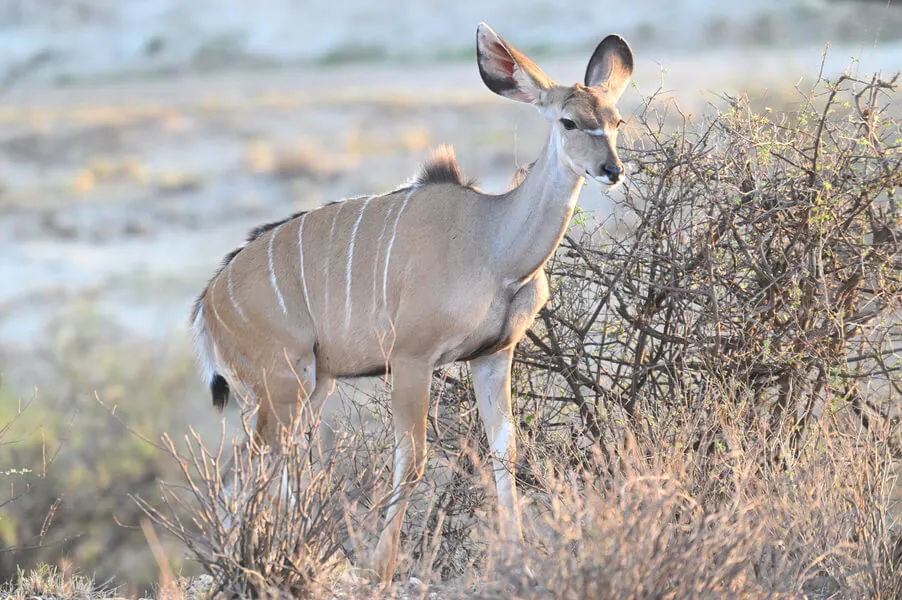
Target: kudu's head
(584,118)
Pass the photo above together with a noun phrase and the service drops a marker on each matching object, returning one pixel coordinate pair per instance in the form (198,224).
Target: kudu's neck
(537,212)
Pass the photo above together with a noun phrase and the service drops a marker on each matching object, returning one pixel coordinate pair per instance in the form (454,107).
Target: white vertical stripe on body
(232,297)
(391,243)
(377,253)
(213,306)
(350,262)
(272,270)
(301,258)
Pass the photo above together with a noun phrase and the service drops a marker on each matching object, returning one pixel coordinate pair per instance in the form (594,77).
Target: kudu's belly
(444,331)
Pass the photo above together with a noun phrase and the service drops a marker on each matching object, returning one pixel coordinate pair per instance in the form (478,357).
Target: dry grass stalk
(277,527)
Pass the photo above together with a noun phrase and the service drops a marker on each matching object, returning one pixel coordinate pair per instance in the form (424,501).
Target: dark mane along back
(252,235)
(261,229)
(441,167)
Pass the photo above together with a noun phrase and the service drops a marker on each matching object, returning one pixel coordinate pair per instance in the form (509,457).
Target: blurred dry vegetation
(708,407)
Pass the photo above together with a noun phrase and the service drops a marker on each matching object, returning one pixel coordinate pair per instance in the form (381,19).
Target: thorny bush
(260,522)
(756,250)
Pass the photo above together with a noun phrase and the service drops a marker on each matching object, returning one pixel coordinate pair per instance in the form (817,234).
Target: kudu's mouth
(604,179)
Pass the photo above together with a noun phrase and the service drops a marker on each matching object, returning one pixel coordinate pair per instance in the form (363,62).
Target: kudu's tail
(206,357)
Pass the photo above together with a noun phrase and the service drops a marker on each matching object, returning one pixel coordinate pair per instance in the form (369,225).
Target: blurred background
(141,139)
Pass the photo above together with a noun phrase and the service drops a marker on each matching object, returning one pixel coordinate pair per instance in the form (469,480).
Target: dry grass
(276,526)
(50,582)
(692,508)
(682,520)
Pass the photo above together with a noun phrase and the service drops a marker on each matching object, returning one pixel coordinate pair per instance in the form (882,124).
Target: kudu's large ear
(611,65)
(506,71)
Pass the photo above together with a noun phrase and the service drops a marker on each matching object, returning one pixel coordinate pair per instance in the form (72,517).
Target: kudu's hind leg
(283,397)
(410,406)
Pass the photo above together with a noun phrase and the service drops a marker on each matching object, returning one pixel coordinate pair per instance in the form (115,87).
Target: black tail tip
(219,387)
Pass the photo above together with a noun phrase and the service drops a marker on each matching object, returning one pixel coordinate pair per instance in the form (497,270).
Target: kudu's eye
(568,124)
(620,122)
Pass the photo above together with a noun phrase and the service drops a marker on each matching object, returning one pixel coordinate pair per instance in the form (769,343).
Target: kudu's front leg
(410,406)
(492,384)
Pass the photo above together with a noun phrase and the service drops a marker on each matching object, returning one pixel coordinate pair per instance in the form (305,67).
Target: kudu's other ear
(611,65)
(506,71)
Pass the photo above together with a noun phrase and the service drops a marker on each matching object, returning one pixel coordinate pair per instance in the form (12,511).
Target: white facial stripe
(272,270)
(377,253)
(391,243)
(231,289)
(301,256)
(351,261)
(598,132)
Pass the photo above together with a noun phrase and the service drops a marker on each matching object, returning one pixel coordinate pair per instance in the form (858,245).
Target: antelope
(433,272)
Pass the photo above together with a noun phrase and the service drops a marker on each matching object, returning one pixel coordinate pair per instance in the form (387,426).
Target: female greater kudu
(433,272)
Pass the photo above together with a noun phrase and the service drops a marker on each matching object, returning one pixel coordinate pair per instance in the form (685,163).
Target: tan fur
(439,272)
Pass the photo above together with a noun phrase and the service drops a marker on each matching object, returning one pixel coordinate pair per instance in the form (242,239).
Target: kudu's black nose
(612,171)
